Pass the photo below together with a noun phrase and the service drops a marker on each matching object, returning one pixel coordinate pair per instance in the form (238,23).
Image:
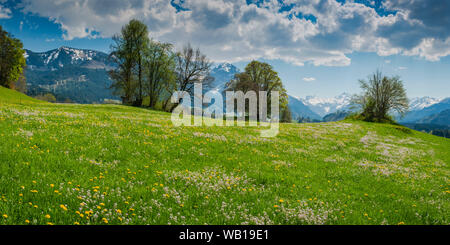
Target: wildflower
(281,200)
(52,185)
(49,223)
(276,206)
(47,216)
(401,223)
(27,221)
(76,223)
(63,207)
(34,191)
(105,220)
(366,195)
(119,211)
(5,216)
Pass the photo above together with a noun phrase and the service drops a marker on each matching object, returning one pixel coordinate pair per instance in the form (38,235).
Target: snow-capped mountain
(222,74)
(78,75)
(324,106)
(66,56)
(420,103)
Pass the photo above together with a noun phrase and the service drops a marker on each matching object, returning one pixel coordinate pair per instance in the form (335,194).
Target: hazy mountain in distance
(441,118)
(222,74)
(419,103)
(299,109)
(416,115)
(79,75)
(324,106)
(65,56)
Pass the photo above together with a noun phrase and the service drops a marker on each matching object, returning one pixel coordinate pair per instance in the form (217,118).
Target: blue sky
(318,47)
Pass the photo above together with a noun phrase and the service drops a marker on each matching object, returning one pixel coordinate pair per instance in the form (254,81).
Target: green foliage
(12,61)
(59,161)
(46,97)
(160,72)
(128,53)
(260,76)
(286,116)
(381,95)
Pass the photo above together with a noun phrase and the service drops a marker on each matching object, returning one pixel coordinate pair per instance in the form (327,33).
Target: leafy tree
(128,52)
(160,66)
(21,84)
(286,116)
(260,76)
(381,95)
(12,60)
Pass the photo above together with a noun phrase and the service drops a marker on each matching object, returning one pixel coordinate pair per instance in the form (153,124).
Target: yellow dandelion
(47,216)
(5,216)
(276,206)
(105,220)
(281,200)
(27,221)
(63,207)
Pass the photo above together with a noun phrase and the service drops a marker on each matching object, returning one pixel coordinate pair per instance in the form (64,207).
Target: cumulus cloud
(320,32)
(5,13)
(309,79)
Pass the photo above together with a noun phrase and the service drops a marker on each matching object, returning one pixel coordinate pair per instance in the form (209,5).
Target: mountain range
(81,76)
(70,74)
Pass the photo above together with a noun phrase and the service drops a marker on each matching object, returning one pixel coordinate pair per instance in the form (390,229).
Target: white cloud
(5,13)
(309,79)
(231,30)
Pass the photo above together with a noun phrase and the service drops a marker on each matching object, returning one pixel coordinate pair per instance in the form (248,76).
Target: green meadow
(67,164)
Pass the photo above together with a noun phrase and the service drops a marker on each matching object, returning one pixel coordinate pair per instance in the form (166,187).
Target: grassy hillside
(97,164)
(8,96)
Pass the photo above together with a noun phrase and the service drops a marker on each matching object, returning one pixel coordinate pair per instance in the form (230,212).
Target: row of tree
(12,62)
(148,72)
(151,70)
